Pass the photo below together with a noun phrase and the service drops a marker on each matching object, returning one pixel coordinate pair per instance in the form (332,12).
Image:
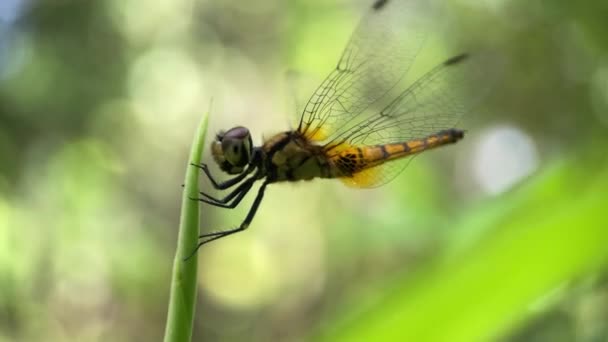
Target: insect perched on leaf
(342,133)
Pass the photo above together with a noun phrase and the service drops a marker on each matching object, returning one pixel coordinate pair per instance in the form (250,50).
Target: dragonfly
(342,133)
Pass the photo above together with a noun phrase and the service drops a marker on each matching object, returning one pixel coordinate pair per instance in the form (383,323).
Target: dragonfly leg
(226,184)
(236,195)
(206,238)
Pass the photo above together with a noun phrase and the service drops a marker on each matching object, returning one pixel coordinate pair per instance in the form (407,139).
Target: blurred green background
(502,237)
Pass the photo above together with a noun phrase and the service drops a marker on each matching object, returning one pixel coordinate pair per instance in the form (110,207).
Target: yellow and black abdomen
(355,159)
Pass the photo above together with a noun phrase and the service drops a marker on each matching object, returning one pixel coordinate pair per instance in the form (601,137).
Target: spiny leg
(226,184)
(217,235)
(243,225)
(237,195)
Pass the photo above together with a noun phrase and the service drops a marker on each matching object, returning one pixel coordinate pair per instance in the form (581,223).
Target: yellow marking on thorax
(295,160)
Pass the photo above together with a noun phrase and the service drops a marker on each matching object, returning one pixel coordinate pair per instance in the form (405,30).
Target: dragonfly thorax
(232,150)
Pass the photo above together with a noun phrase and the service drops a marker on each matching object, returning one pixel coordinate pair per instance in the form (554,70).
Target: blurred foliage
(473,295)
(98,104)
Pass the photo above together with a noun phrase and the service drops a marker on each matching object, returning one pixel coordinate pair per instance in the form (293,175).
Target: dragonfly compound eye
(236,146)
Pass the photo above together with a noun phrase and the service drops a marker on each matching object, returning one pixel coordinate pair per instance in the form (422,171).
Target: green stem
(183,285)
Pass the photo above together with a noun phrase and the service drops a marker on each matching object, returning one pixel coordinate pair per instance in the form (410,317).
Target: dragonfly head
(233,149)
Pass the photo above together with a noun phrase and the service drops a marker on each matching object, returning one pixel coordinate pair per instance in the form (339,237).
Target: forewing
(378,55)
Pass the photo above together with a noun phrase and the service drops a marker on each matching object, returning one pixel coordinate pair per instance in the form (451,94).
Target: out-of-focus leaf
(555,232)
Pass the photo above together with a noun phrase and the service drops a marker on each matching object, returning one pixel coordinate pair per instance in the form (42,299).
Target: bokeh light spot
(165,86)
(10,10)
(142,21)
(239,274)
(503,157)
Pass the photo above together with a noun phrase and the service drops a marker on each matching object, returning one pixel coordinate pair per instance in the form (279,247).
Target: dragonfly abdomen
(355,159)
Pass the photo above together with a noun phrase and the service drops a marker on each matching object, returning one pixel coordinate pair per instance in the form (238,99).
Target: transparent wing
(435,102)
(378,55)
(379,175)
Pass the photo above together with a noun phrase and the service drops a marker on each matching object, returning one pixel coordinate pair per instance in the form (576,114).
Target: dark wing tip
(456,59)
(379,4)
(459,134)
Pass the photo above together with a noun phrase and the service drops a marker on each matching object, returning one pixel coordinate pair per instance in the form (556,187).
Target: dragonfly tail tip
(456,59)
(379,4)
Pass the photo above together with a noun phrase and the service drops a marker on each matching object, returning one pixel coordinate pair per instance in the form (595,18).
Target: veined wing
(433,103)
(378,55)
